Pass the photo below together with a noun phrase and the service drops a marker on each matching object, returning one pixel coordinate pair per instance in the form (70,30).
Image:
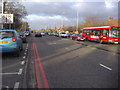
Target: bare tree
(19,12)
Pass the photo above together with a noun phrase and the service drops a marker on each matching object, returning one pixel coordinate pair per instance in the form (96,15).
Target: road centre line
(105,67)
(20,71)
(16,86)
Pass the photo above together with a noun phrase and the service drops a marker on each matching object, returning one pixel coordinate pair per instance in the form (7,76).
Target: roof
(113,22)
(98,27)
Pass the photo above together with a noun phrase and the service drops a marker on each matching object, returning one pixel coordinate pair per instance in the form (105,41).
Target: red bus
(102,34)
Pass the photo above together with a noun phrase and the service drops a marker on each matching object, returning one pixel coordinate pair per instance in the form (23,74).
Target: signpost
(6,18)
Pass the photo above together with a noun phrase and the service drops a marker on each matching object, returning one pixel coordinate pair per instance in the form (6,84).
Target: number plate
(4,42)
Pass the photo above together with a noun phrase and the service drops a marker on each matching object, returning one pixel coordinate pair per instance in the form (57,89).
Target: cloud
(49,13)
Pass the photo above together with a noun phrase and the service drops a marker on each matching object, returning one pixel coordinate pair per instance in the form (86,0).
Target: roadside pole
(2,13)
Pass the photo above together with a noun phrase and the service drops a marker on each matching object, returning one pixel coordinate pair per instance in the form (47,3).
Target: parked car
(23,37)
(27,33)
(63,34)
(51,33)
(69,35)
(10,42)
(42,33)
(77,37)
(57,34)
(38,34)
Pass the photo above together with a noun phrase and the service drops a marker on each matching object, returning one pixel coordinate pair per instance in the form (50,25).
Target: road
(53,62)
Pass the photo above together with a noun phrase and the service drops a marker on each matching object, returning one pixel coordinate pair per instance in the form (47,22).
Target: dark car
(23,37)
(38,34)
(27,33)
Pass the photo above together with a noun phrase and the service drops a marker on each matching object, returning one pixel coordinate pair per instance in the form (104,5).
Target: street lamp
(62,19)
(77,5)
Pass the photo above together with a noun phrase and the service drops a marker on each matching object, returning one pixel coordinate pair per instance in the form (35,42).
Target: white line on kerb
(27,45)
(20,71)
(23,62)
(24,57)
(105,67)
(8,73)
(16,86)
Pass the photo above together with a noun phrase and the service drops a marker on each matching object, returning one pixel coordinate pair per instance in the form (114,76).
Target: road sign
(6,18)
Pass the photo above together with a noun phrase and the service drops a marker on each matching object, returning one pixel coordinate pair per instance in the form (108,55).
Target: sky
(48,14)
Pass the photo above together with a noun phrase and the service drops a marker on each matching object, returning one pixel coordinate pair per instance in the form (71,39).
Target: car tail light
(14,39)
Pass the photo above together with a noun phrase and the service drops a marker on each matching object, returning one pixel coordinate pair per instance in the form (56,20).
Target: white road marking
(27,45)
(8,73)
(20,71)
(16,86)
(66,48)
(105,67)
(6,87)
(23,62)
(24,57)
(25,53)
(52,43)
(26,50)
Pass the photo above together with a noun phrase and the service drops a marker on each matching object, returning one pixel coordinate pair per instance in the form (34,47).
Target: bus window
(87,32)
(105,32)
(114,33)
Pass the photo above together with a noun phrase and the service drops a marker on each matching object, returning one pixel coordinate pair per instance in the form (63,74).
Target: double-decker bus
(102,34)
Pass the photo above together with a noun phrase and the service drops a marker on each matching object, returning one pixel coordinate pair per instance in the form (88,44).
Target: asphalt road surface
(53,62)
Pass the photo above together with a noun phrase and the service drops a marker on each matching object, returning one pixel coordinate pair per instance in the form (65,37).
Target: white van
(63,34)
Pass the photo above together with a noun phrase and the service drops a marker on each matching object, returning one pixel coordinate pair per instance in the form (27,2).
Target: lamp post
(77,20)
(77,17)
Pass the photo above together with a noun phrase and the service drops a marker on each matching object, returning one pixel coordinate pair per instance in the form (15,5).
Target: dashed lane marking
(20,71)
(66,48)
(27,45)
(24,57)
(23,62)
(105,67)
(16,86)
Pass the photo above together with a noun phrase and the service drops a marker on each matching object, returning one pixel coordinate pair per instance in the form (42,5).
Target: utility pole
(77,19)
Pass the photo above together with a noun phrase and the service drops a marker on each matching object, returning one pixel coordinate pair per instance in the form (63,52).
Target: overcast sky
(49,14)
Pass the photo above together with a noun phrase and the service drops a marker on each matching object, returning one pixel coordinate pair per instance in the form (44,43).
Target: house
(112,22)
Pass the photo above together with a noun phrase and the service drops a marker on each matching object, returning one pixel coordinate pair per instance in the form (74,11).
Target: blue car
(10,41)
